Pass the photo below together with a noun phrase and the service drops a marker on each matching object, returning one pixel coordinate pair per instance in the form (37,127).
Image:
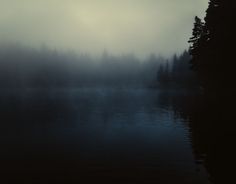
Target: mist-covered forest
(162,114)
(24,67)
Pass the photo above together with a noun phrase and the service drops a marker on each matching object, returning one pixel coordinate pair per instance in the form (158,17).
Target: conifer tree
(212,45)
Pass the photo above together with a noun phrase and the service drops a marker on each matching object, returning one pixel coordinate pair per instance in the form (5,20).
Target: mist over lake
(121,92)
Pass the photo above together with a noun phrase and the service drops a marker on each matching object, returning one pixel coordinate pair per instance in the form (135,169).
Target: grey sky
(120,26)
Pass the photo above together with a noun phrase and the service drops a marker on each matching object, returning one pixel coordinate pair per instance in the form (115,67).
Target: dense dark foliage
(177,73)
(212,116)
(213,46)
(212,130)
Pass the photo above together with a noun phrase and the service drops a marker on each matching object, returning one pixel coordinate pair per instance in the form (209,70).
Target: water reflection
(100,135)
(211,119)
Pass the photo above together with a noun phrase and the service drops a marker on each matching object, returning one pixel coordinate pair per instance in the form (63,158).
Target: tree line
(209,63)
(176,73)
(24,67)
(213,45)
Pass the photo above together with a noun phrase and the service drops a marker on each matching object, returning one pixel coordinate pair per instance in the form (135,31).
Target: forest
(75,117)
(207,64)
(22,67)
(212,45)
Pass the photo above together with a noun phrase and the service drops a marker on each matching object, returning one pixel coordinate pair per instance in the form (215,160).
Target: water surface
(113,135)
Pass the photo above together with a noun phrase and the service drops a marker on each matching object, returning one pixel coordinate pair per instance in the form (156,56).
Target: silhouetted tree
(196,42)
(163,74)
(177,73)
(212,47)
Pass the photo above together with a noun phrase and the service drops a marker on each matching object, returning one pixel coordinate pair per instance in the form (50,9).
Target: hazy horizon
(140,27)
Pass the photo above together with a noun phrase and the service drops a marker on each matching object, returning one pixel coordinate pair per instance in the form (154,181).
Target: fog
(117,91)
(87,26)
(24,67)
(71,43)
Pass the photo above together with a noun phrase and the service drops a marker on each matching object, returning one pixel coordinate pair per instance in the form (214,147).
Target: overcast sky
(119,26)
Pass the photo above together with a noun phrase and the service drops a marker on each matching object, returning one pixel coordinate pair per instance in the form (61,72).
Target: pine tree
(196,41)
(212,50)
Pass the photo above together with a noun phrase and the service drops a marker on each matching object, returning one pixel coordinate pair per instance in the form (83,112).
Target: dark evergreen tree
(212,49)
(177,73)
(163,74)
(196,42)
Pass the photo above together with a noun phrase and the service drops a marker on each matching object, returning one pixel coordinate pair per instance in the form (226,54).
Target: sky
(140,27)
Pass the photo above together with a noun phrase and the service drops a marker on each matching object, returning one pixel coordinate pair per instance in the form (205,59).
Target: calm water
(95,134)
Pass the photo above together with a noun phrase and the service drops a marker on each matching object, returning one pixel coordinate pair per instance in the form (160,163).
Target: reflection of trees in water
(25,108)
(45,152)
(53,106)
(211,122)
(212,127)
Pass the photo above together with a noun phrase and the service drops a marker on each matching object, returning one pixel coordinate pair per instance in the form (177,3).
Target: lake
(109,135)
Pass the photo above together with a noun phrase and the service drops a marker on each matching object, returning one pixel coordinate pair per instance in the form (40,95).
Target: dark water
(95,135)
